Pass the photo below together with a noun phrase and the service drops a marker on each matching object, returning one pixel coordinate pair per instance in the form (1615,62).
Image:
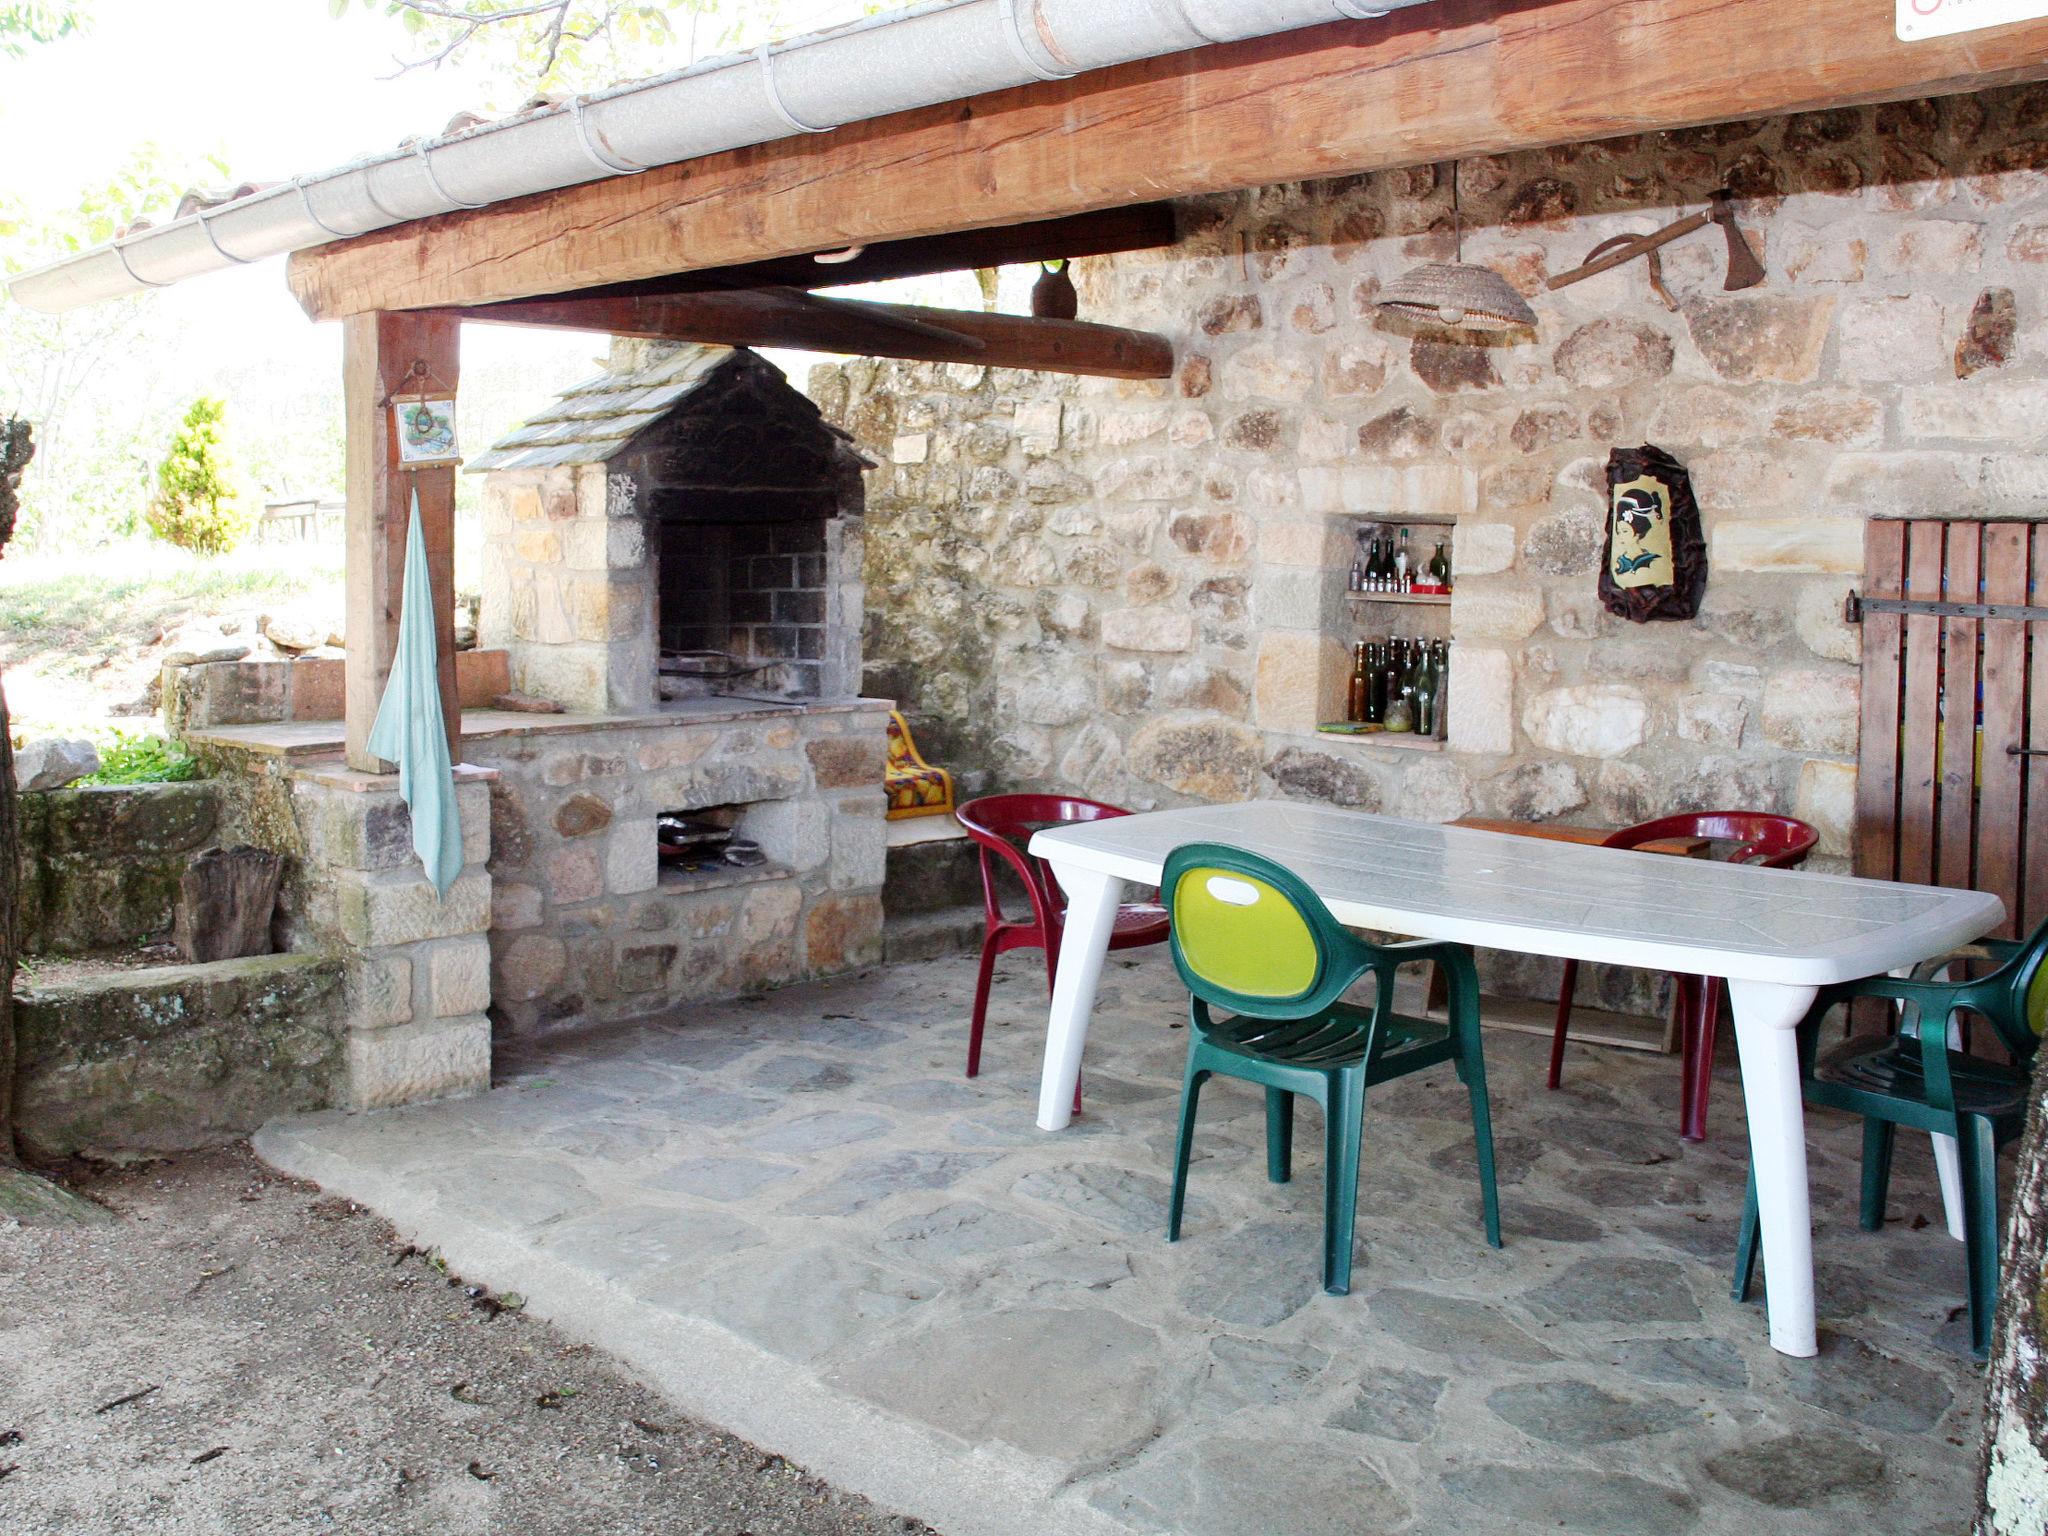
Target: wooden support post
(379,351)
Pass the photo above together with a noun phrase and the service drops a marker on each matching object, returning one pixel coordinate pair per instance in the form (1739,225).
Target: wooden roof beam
(787,318)
(1457,77)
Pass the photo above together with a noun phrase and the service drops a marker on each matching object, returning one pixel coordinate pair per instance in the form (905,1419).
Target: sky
(275,88)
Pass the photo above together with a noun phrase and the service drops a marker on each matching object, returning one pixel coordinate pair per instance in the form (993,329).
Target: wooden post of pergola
(386,353)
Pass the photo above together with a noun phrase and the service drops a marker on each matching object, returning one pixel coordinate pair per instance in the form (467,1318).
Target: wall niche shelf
(1440,599)
(1405,741)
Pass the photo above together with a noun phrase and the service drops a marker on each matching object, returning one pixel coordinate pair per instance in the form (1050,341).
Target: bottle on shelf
(1358,566)
(1404,566)
(1376,684)
(1360,691)
(1440,568)
(1375,568)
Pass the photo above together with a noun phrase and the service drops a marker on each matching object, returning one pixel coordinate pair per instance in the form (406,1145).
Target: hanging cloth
(410,729)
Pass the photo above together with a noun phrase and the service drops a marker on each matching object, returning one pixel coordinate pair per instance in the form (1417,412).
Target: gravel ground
(239,1353)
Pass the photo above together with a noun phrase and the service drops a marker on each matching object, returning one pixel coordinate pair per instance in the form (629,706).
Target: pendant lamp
(1458,293)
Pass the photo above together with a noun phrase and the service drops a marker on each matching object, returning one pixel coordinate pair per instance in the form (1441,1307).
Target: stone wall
(145,1062)
(585,927)
(1135,590)
(100,865)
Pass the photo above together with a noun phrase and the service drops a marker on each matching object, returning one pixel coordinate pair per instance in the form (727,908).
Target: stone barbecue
(684,524)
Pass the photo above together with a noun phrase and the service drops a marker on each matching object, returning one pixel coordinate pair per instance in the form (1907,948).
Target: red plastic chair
(1777,842)
(1001,825)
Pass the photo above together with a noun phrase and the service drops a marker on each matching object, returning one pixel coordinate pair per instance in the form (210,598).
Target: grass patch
(135,757)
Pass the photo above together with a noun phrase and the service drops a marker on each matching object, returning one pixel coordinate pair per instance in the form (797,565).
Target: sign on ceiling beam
(1918,19)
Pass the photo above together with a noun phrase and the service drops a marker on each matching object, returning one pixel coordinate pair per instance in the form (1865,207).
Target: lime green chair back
(1250,936)
(2015,996)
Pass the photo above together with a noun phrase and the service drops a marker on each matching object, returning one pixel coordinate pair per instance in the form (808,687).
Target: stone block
(1813,709)
(1206,759)
(1316,542)
(379,908)
(1865,484)
(345,829)
(125,821)
(1158,629)
(632,862)
(842,933)
(226,693)
(1998,410)
(1494,611)
(1826,801)
(459,976)
(848,761)
(427,1059)
(473,806)
(1761,336)
(1592,720)
(1482,712)
(860,843)
(1890,338)
(1817,615)
(572,874)
(1816,544)
(1482,549)
(1300,679)
(514,906)
(1535,791)
(794,833)
(379,990)
(529,967)
(1716,719)
(317,688)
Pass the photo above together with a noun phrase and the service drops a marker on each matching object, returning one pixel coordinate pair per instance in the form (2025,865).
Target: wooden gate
(1952,785)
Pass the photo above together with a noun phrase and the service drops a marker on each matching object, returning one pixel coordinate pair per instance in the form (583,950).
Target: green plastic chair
(1249,935)
(1912,1078)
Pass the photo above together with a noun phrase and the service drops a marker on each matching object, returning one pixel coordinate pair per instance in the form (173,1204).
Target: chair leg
(1279,1135)
(1190,1097)
(981,985)
(1343,1128)
(1980,1225)
(1746,1246)
(1877,1171)
(1706,1024)
(1565,989)
(1685,1017)
(1471,1064)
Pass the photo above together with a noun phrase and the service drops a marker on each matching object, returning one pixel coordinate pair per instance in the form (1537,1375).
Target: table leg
(1765,1014)
(1092,900)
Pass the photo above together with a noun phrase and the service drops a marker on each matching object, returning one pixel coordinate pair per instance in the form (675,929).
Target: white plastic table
(1775,935)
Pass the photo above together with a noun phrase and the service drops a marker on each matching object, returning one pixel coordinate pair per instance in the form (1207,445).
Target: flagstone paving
(794,1216)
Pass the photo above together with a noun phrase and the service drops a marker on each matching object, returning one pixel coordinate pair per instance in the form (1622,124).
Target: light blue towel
(410,729)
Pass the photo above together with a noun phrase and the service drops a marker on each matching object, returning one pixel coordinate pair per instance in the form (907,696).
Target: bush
(138,758)
(199,503)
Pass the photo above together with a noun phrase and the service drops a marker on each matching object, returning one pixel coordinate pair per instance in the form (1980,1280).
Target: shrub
(139,758)
(199,503)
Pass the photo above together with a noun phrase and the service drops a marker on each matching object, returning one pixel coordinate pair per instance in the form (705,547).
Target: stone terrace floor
(798,1219)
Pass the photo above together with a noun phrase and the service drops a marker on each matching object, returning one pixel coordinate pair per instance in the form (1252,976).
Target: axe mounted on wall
(1744,270)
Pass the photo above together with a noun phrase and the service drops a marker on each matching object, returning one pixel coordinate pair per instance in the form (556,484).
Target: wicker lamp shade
(1473,298)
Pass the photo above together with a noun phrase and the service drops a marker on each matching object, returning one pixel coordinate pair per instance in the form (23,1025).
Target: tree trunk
(10,934)
(2014,1460)
(17,447)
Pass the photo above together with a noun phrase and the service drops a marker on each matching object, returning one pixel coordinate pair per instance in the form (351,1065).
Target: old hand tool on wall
(1744,270)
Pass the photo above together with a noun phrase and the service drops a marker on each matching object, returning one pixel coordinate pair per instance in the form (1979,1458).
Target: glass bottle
(1440,568)
(1360,690)
(1376,683)
(1425,694)
(1358,564)
(1376,567)
(1404,565)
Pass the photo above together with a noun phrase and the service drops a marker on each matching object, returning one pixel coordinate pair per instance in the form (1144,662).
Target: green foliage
(24,23)
(571,45)
(199,503)
(135,757)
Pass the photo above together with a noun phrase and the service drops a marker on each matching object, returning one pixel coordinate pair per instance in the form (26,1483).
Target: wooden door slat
(2033,733)
(1919,802)
(1877,772)
(1956,840)
(2005,710)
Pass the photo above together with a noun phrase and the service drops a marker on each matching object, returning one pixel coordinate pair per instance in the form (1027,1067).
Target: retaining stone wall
(100,865)
(1135,590)
(184,1056)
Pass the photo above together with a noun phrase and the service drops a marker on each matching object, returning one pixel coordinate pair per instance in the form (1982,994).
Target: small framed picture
(426,429)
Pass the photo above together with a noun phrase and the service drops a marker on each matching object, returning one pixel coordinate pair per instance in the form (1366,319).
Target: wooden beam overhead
(785,318)
(1455,77)
(1145,226)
